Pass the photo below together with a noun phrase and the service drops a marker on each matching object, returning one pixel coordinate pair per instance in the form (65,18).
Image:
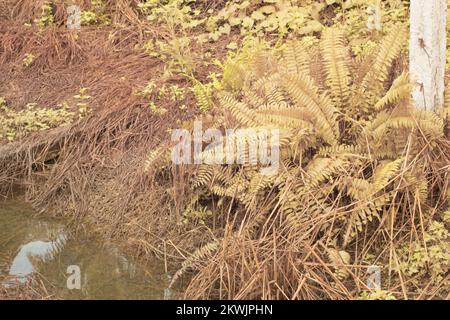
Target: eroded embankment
(92,168)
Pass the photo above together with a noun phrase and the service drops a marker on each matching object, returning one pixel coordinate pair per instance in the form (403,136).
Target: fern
(399,91)
(296,58)
(335,56)
(239,110)
(203,95)
(303,92)
(348,150)
(384,173)
(343,142)
(204,176)
(339,258)
(199,255)
(389,50)
(322,169)
(157,158)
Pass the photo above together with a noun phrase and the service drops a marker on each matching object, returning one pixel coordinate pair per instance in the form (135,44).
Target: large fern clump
(363,175)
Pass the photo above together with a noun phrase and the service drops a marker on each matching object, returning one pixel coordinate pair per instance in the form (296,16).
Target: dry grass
(33,289)
(280,260)
(92,170)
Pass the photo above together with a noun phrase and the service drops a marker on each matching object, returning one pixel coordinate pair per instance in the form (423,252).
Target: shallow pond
(67,260)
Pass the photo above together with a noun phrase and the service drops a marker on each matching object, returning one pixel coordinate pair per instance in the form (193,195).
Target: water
(30,244)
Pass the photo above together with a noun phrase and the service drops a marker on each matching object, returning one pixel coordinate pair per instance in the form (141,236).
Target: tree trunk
(427,52)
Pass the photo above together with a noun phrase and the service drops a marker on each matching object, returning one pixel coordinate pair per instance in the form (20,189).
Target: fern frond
(223,192)
(273,94)
(340,259)
(416,183)
(342,149)
(336,56)
(239,110)
(394,128)
(263,63)
(399,91)
(199,255)
(204,176)
(203,95)
(296,58)
(358,188)
(304,93)
(259,182)
(388,51)
(287,111)
(241,146)
(322,169)
(384,173)
(429,122)
(299,206)
(283,121)
(363,213)
(234,74)
(252,99)
(157,158)
(260,83)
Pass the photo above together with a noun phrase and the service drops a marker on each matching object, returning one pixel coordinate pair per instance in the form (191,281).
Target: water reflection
(22,265)
(29,244)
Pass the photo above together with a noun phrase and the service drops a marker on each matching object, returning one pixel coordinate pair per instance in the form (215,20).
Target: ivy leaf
(311,26)
(244,5)
(248,22)
(225,29)
(232,46)
(258,15)
(267,9)
(234,21)
(214,36)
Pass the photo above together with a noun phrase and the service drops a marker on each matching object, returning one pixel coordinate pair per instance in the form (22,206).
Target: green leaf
(248,22)
(225,29)
(258,15)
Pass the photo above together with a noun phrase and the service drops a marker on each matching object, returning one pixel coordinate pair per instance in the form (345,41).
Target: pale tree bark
(427,52)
